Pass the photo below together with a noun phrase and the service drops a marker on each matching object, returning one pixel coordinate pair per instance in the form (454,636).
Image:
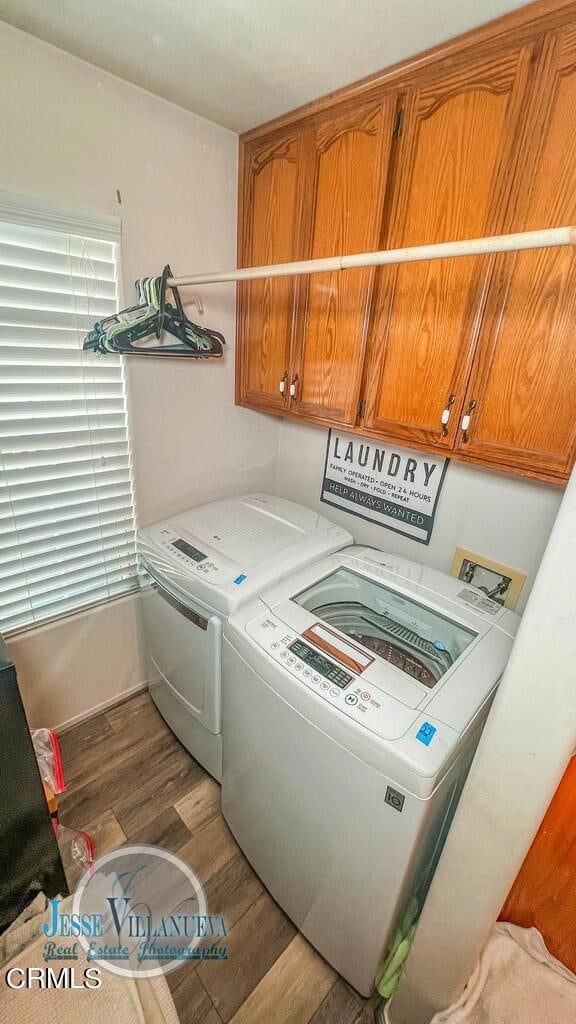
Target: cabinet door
(524,382)
(544,893)
(270,218)
(350,156)
(451,182)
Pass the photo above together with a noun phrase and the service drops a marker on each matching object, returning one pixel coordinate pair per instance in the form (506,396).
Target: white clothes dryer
(203,565)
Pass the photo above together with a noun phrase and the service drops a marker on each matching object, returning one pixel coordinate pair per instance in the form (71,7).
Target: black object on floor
(29,857)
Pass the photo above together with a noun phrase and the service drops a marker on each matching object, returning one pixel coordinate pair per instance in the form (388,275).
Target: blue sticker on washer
(426,733)
(240,579)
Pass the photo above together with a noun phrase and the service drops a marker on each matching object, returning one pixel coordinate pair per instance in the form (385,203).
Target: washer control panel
(314,669)
(190,558)
(317,661)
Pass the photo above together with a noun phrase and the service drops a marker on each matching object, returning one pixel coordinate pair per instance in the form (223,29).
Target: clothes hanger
(125,322)
(178,323)
(126,332)
(123,331)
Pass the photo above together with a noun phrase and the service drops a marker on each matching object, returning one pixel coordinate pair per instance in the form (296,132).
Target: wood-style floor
(129,778)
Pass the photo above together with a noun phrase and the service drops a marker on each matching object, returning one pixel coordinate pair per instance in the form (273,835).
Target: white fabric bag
(516,981)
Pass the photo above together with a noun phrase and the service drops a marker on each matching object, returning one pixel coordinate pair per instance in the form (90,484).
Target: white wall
(73,134)
(494,514)
(79,664)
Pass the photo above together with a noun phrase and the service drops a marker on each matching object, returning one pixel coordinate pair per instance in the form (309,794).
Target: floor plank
(200,805)
(142,796)
(193,1004)
(254,944)
(167,830)
(210,849)
(342,1006)
(96,743)
(77,746)
(106,833)
(233,890)
(83,733)
(131,711)
(133,778)
(291,992)
(102,765)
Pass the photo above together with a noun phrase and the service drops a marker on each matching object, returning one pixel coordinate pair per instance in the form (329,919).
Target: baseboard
(112,702)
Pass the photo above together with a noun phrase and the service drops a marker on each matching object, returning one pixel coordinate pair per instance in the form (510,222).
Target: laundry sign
(395,487)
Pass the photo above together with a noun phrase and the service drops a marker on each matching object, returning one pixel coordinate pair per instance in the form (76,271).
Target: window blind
(67,535)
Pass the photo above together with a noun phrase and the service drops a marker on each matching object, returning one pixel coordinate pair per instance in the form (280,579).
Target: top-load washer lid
(224,553)
(406,636)
(420,641)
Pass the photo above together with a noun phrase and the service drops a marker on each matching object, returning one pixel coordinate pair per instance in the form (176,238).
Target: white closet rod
(547,238)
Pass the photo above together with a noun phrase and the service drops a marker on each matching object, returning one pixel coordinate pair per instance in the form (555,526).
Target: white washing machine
(204,565)
(354,694)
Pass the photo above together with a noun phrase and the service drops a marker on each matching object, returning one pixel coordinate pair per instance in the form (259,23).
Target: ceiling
(242,62)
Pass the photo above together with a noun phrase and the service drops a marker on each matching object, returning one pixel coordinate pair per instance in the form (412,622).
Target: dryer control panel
(322,674)
(191,558)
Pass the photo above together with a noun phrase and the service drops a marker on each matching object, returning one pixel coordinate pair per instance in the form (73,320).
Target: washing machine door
(183,644)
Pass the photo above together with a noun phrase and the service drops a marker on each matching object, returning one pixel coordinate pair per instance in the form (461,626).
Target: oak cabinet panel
(524,380)
(269,233)
(451,183)
(350,153)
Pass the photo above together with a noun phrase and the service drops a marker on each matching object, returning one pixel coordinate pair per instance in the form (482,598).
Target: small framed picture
(499,582)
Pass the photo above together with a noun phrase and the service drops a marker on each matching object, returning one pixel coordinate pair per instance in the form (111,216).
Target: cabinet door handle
(446,414)
(465,424)
(293,387)
(282,384)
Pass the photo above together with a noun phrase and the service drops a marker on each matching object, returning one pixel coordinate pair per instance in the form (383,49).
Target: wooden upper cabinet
(524,380)
(413,353)
(271,192)
(451,181)
(349,160)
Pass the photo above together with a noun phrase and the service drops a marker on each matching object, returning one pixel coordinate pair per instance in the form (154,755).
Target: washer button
(365,695)
(291,660)
(307,673)
(298,667)
(316,678)
(334,692)
(275,646)
(351,698)
(324,686)
(283,654)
